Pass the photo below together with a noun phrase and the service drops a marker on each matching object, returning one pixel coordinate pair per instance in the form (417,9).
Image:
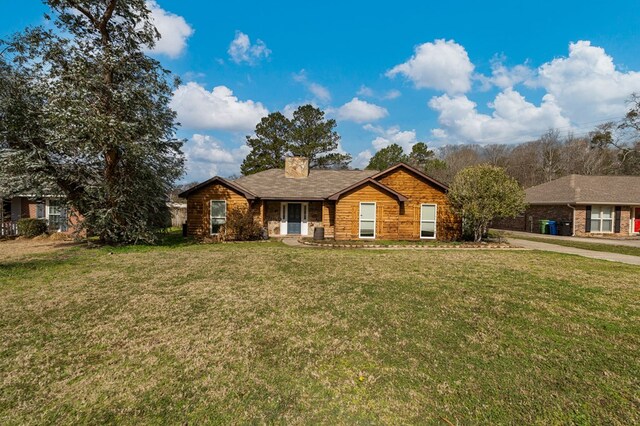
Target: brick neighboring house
(400,203)
(49,208)
(607,206)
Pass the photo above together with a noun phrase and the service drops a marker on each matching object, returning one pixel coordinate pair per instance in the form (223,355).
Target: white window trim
(601,219)
(284,217)
(632,216)
(47,213)
(211,216)
(435,222)
(375,220)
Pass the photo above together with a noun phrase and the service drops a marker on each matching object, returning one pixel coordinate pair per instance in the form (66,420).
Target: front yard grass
(264,333)
(595,246)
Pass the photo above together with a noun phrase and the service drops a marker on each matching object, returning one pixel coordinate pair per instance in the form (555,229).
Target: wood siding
(198,207)
(396,220)
(420,191)
(347,215)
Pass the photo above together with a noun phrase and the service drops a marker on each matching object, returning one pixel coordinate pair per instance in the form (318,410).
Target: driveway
(612,257)
(631,242)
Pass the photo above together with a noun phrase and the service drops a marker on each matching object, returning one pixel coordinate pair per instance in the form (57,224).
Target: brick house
(49,208)
(607,206)
(400,203)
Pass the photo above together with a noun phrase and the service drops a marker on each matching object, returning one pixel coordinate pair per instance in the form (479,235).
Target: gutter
(573,222)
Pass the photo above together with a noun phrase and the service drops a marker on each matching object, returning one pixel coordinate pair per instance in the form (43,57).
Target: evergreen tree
(314,137)
(91,116)
(269,146)
(387,157)
(308,135)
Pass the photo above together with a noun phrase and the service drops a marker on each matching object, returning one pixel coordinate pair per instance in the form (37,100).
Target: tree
(91,117)
(307,134)
(387,157)
(483,192)
(424,158)
(314,137)
(623,137)
(269,146)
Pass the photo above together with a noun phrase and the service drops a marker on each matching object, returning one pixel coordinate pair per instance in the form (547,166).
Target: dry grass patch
(266,333)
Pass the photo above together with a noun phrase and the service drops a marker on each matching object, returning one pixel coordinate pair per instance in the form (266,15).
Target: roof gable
(217,179)
(385,188)
(414,171)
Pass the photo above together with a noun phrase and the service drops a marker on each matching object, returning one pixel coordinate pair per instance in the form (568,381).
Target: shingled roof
(320,184)
(580,189)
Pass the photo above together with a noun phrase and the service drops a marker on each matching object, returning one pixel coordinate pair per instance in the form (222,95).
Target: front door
(636,221)
(294,218)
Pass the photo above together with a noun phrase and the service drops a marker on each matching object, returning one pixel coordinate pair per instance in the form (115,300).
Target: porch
(297,217)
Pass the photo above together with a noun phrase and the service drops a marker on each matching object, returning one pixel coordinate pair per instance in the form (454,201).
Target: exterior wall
(530,221)
(329,218)
(315,216)
(272,217)
(347,215)
(581,220)
(419,191)
(198,207)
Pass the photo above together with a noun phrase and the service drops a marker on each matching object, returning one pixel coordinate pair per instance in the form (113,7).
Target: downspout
(573,221)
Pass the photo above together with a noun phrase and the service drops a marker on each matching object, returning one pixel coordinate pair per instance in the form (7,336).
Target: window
(367,220)
(601,219)
(56,215)
(218,215)
(428,220)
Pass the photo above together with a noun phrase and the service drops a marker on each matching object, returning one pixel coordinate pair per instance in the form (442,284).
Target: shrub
(481,193)
(32,227)
(241,225)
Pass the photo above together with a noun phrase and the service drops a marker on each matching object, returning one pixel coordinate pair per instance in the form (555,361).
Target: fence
(8,229)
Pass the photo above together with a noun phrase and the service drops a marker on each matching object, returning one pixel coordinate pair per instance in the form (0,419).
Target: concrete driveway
(631,241)
(612,257)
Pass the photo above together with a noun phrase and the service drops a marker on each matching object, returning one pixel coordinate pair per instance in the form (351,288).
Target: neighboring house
(400,203)
(51,209)
(595,205)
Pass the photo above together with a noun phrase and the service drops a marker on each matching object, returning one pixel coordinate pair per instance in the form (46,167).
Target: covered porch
(297,217)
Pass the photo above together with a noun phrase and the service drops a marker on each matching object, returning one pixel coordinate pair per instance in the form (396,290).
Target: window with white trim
(601,219)
(367,220)
(55,214)
(428,214)
(218,215)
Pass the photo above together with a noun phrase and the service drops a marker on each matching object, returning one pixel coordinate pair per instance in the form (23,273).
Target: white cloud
(392,94)
(441,65)
(241,50)
(173,29)
(505,77)
(360,111)
(405,138)
(513,118)
(586,84)
(365,91)
(207,157)
(361,160)
(320,92)
(198,108)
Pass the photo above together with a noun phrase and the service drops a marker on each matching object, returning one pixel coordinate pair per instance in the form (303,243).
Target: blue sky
(443,73)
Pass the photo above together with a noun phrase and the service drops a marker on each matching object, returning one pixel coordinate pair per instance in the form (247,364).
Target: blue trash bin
(553,227)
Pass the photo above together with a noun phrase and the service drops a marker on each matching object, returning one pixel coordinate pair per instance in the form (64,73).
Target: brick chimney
(296,167)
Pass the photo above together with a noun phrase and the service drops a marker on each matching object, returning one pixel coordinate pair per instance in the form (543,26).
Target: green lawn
(264,333)
(595,246)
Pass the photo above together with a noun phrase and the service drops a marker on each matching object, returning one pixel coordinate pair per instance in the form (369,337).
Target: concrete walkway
(613,257)
(631,242)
